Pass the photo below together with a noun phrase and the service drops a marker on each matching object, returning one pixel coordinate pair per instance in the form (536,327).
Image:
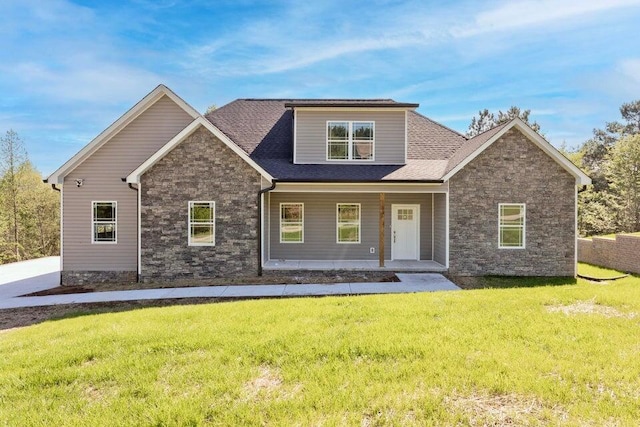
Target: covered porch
(389,227)
(427,266)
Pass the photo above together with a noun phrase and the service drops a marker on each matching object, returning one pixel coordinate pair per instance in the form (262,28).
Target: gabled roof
(476,145)
(134,177)
(151,98)
(263,128)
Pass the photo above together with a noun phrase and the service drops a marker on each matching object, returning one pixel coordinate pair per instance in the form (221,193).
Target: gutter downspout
(53,185)
(136,190)
(260,193)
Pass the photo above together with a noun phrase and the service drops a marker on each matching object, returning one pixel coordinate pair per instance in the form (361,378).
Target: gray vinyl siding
(440,228)
(320,226)
(311,135)
(102,173)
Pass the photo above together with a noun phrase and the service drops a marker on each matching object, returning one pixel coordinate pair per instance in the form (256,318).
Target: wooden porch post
(381,232)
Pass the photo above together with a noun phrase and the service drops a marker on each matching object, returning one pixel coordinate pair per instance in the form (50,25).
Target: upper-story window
(350,140)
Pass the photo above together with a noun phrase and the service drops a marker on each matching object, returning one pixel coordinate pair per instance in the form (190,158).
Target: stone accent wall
(621,253)
(512,170)
(200,168)
(78,278)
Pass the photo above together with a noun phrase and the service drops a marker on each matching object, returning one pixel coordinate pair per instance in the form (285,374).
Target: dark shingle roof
(466,149)
(263,129)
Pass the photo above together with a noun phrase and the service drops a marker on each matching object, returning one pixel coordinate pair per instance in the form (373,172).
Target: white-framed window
(291,222)
(348,223)
(202,223)
(511,225)
(104,220)
(350,140)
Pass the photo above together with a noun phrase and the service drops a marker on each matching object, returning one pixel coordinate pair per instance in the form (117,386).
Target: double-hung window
(291,223)
(202,223)
(511,227)
(104,222)
(348,140)
(348,223)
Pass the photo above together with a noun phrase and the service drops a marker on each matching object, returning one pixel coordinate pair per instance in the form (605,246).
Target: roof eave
(543,144)
(141,106)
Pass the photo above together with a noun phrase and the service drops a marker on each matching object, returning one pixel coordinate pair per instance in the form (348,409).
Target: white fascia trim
(151,98)
(543,144)
(134,177)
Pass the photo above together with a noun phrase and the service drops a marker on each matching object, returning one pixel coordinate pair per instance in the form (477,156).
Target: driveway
(25,277)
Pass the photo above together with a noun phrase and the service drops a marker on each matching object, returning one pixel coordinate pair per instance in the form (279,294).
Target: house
(165,193)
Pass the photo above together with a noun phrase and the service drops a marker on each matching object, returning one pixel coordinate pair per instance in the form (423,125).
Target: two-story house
(167,193)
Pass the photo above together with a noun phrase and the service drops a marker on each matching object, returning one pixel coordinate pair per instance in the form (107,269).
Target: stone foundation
(78,278)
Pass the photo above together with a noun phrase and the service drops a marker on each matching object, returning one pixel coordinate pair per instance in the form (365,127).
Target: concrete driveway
(25,277)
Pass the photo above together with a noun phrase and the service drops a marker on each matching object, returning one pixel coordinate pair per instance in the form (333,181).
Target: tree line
(611,157)
(29,208)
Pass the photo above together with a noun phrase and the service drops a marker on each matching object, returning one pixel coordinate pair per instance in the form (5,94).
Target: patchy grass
(541,355)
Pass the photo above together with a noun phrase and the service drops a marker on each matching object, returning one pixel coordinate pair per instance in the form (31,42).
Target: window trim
(212,223)
(301,222)
(94,222)
(523,206)
(350,141)
(348,222)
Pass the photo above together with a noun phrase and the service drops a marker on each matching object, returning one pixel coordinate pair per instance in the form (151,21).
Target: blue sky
(69,69)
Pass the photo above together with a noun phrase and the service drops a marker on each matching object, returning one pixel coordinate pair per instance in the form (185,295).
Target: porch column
(381,232)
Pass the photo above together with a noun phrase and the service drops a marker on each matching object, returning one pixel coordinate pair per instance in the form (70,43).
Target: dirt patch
(505,409)
(269,384)
(268,279)
(589,307)
(14,318)
(61,290)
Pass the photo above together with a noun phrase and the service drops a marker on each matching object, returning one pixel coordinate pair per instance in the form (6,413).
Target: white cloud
(517,14)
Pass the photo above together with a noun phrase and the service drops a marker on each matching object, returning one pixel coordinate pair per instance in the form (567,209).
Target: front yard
(561,354)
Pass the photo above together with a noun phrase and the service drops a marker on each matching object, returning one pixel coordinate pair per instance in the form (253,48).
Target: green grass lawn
(563,354)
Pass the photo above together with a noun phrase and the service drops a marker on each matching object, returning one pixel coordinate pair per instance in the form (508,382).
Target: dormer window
(348,140)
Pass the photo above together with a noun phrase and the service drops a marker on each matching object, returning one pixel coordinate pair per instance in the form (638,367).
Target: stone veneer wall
(78,278)
(200,168)
(512,170)
(621,253)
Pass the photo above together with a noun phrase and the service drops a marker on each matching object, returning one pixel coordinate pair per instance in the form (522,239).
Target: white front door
(405,232)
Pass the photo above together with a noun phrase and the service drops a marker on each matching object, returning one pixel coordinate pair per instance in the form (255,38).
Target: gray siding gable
(102,173)
(310,145)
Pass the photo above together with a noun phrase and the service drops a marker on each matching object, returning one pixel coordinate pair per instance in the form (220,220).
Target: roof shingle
(263,129)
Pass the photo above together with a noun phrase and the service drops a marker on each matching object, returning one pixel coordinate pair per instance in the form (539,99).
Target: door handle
(394,236)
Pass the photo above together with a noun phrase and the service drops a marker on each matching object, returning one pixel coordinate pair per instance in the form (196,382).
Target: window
(511,226)
(291,223)
(202,223)
(103,222)
(350,140)
(348,223)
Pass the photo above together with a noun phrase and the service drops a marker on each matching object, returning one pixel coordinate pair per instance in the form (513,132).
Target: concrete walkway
(409,282)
